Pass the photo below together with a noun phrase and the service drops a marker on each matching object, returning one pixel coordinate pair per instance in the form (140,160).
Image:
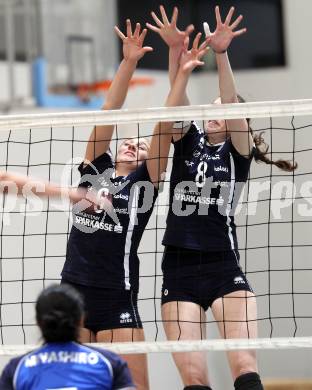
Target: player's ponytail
(59,311)
(262,148)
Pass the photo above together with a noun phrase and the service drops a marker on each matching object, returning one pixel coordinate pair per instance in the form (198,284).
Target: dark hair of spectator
(59,311)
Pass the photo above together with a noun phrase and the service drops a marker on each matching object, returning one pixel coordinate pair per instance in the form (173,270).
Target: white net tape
(183,346)
(212,111)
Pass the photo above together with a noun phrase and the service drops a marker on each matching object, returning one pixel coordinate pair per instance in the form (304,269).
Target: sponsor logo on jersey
(220,168)
(97,224)
(125,318)
(118,228)
(208,157)
(239,280)
(166,292)
(121,196)
(121,210)
(199,199)
(189,163)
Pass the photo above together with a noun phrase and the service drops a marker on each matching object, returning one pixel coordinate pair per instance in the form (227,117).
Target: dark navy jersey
(205,184)
(66,366)
(101,251)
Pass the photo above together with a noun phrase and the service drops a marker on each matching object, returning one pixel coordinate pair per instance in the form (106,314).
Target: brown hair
(262,148)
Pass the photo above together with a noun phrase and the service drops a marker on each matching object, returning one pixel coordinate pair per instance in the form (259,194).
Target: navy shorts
(108,309)
(200,277)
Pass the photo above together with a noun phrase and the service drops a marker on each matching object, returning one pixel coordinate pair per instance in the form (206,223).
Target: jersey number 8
(201,174)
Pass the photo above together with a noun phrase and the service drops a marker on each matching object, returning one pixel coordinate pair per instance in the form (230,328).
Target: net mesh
(274,219)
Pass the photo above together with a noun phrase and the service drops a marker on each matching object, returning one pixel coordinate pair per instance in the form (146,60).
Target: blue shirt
(205,184)
(102,252)
(66,366)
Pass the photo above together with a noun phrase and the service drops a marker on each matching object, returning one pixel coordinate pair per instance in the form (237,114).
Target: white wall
(291,82)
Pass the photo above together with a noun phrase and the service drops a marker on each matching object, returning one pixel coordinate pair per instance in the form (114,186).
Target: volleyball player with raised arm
(63,363)
(102,260)
(201,260)
(16,184)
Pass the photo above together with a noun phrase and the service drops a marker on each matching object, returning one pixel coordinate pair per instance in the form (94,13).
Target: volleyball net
(274,221)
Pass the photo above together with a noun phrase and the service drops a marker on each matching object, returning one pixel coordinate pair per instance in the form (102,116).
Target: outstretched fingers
(152,27)
(229,16)
(218,16)
(186,43)
(199,63)
(239,32)
(142,36)
(137,30)
(204,45)
(189,29)
(196,40)
(174,16)
(164,15)
(203,49)
(119,33)
(129,28)
(146,49)
(157,20)
(236,22)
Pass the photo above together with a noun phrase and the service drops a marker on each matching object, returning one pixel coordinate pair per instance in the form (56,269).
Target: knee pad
(249,381)
(197,387)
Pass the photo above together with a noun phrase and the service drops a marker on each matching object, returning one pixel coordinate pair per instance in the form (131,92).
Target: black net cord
(269,230)
(292,228)
(23,242)
(1,249)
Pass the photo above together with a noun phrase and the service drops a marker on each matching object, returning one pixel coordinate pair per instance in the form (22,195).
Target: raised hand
(190,59)
(222,37)
(169,31)
(133,49)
